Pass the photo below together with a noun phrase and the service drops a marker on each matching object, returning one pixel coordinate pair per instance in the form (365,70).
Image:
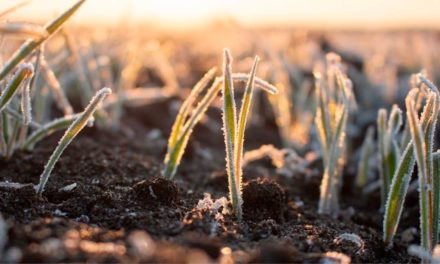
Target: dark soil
(121,211)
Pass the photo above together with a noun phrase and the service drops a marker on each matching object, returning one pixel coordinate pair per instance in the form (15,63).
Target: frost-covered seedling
(31,44)
(389,149)
(423,142)
(418,149)
(186,120)
(233,131)
(334,99)
(14,126)
(10,129)
(182,128)
(69,135)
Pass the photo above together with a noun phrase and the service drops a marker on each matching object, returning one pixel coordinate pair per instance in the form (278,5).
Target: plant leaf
(31,44)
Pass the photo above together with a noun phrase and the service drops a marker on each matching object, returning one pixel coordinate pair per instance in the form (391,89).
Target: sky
(364,14)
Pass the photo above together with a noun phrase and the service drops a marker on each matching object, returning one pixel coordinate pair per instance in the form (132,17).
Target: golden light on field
(187,13)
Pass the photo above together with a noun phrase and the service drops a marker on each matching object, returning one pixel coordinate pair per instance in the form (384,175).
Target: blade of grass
(176,153)
(69,135)
(31,44)
(260,83)
(322,118)
(397,193)
(229,123)
(329,183)
(26,106)
(381,140)
(400,181)
(24,73)
(429,142)
(244,111)
(186,106)
(417,136)
(16,115)
(172,160)
(436,192)
(48,129)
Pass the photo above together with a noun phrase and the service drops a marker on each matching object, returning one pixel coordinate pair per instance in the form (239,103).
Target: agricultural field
(224,144)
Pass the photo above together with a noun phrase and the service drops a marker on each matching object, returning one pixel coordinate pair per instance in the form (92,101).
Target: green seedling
(418,149)
(233,131)
(182,128)
(185,122)
(389,151)
(333,99)
(31,44)
(73,130)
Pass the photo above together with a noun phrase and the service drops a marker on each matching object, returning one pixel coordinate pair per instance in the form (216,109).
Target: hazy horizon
(375,14)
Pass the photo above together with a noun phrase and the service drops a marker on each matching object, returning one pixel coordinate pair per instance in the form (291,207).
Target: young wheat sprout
(69,135)
(335,99)
(31,44)
(233,131)
(389,151)
(172,161)
(185,123)
(229,123)
(424,162)
(418,149)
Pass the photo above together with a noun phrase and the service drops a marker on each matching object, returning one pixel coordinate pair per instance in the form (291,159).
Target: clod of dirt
(263,199)
(157,190)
